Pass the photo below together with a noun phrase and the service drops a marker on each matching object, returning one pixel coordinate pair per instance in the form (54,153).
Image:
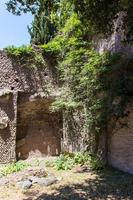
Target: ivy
(86,76)
(19,51)
(26,54)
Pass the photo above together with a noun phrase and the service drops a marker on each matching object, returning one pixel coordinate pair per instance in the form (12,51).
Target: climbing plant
(88,79)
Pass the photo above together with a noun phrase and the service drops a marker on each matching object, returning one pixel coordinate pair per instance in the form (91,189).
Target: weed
(13,167)
(67,161)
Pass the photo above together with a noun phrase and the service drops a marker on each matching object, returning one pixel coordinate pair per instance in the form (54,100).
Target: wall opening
(39,131)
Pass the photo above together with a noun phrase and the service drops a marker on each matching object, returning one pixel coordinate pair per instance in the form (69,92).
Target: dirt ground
(108,184)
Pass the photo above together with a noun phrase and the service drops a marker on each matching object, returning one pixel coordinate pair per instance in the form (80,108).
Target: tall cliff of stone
(120,126)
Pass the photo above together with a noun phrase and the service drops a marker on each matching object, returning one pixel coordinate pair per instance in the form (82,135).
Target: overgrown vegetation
(99,15)
(67,161)
(19,51)
(86,79)
(13,167)
(94,82)
(27,54)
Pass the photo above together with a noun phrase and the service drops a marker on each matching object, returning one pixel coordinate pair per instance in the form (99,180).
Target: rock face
(27,128)
(120,153)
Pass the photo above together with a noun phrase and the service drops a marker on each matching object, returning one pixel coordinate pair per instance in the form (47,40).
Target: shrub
(19,51)
(96,163)
(13,167)
(67,160)
(64,162)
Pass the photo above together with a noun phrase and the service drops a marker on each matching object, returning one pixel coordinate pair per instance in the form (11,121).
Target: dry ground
(106,185)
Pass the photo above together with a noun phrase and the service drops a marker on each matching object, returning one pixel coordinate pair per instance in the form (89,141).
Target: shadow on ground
(108,185)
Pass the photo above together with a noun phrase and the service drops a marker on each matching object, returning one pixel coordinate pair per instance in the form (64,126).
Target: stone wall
(7,128)
(18,84)
(120,153)
(17,77)
(75,137)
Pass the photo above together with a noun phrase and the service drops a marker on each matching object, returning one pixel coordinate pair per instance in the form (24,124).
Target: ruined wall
(17,77)
(7,127)
(14,79)
(75,137)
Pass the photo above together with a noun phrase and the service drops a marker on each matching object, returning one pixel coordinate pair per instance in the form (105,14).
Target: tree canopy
(100,14)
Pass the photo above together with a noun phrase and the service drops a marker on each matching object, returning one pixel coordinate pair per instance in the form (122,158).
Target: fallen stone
(3,181)
(25,184)
(47,181)
(35,171)
(34,179)
(80,169)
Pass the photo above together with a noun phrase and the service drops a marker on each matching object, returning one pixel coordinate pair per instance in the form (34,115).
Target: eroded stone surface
(47,181)
(23,93)
(3,181)
(24,184)
(121,142)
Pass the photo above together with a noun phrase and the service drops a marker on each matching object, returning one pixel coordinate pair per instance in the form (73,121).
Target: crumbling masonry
(27,127)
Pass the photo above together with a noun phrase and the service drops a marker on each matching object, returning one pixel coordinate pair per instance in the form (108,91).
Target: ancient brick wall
(7,128)
(16,79)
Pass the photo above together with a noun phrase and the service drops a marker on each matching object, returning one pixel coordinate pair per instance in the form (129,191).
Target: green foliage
(54,45)
(39,60)
(67,161)
(67,36)
(64,162)
(19,51)
(96,163)
(26,54)
(42,29)
(13,167)
(60,103)
(99,15)
(84,73)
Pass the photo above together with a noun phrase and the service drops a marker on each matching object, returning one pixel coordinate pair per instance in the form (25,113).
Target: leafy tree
(100,14)
(41,30)
(43,26)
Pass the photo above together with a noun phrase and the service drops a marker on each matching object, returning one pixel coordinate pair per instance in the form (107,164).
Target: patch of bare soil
(108,184)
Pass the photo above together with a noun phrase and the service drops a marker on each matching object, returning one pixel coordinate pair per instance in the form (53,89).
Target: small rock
(3,181)
(36,171)
(80,169)
(34,179)
(47,181)
(59,178)
(25,184)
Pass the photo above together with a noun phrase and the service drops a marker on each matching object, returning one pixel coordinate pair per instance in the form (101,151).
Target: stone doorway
(39,131)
